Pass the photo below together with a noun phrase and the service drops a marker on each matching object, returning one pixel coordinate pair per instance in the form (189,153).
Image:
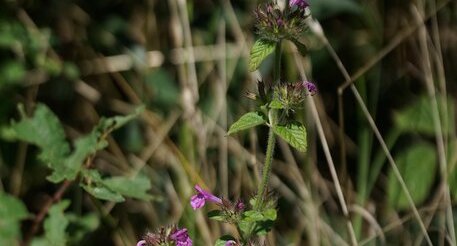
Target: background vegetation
(386,74)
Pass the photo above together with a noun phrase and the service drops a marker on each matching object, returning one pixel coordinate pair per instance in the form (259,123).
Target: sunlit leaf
(261,49)
(247,121)
(294,134)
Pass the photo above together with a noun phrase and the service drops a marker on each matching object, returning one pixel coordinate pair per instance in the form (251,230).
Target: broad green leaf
(418,117)
(261,49)
(247,121)
(94,186)
(12,211)
(217,215)
(56,224)
(417,166)
(252,216)
(294,134)
(103,193)
(270,214)
(131,187)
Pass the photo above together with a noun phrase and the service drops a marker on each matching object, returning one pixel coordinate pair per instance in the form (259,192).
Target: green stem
(266,170)
(273,117)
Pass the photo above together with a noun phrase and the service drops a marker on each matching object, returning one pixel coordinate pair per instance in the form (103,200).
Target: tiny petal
(197,201)
(141,243)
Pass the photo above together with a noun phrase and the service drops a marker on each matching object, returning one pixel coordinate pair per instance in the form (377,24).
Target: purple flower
(312,89)
(141,243)
(301,4)
(181,237)
(198,200)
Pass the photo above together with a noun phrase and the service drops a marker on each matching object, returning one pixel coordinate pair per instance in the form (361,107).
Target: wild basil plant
(277,101)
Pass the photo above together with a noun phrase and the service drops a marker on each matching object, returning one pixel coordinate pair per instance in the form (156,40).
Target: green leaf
(12,211)
(276,104)
(418,117)
(252,216)
(103,193)
(247,121)
(261,49)
(294,134)
(417,166)
(56,224)
(43,130)
(71,166)
(270,214)
(97,188)
(131,187)
(217,215)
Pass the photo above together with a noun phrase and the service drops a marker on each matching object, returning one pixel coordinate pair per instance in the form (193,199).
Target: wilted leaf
(417,166)
(247,121)
(261,49)
(294,134)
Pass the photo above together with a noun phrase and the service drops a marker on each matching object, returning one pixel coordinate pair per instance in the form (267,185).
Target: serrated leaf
(131,187)
(56,224)
(71,166)
(417,166)
(44,130)
(261,49)
(247,121)
(294,134)
(12,211)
